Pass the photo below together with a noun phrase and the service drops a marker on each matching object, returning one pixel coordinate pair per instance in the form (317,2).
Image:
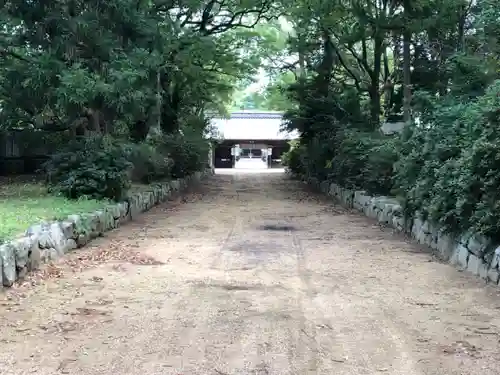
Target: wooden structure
(254,133)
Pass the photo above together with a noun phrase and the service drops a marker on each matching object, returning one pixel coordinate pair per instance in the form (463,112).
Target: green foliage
(365,161)
(294,158)
(124,69)
(188,151)
(450,170)
(94,66)
(445,164)
(95,167)
(149,164)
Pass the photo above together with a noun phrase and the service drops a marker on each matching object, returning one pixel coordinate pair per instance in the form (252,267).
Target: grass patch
(25,201)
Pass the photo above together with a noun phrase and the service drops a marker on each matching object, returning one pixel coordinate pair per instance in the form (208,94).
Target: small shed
(254,134)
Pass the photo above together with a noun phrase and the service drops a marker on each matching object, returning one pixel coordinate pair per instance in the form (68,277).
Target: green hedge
(104,167)
(447,167)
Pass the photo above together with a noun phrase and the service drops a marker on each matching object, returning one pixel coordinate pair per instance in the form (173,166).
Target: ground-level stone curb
(468,252)
(47,241)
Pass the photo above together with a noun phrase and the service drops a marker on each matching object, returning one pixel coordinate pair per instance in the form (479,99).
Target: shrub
(449,169)
(95,167)
(293,158)
(148,163)
(353,158)
(364,160)
(188,152)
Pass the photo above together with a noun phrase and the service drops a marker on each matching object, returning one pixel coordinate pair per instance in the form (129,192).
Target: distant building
(247,138)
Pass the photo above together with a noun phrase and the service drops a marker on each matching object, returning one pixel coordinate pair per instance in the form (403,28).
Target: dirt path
(216,286)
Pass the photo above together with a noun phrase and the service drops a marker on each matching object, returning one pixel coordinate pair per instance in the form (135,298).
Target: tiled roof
(256,115)
(253,125)
(251,113)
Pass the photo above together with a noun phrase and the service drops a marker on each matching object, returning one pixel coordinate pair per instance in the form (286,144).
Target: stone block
(483,270)
(68,228)
(36,230)
(365,200)
(332,190)
(22,250)
(8,260)
(398,223)
(384,215)
(424,233)
(114,210)
(445,245)
(494,275)
(105,220)
(416,228)
(134,209)
(35,258)
(148,202)
(77,222)
(426,227)
(71,244)
(123,207)
(477,244)
(27,253)
(464,239)
(48,255)
(346,197)
(49,235)
(360,194)
(175,184)
(324,187)
(473,264)
(429,240)
(495,261)
(387,213)
(360,200)
(371,212)
(112,216)
(156,195)
(92,226)
(460,256)
(424,238)
(83,239)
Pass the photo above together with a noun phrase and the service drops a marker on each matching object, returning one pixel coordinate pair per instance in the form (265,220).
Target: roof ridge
(243,115)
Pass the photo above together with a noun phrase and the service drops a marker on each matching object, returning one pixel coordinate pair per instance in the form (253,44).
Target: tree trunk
(406,66)
(301,43)
(139,130)
(158,99)
(375,81)
(170,106)
(325,68)
(93,121)
(170,116)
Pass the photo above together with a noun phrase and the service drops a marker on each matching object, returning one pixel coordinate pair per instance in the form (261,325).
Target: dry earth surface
(250,274)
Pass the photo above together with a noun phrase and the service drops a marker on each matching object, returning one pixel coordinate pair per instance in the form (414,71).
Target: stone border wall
(469,252)
(48,241)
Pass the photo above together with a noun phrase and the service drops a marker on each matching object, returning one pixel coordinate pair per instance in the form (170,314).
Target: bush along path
(48,241)
(469,252)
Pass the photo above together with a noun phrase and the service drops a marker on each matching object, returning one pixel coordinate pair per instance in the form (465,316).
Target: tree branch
(344,65)
(6,52)
(235,18)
